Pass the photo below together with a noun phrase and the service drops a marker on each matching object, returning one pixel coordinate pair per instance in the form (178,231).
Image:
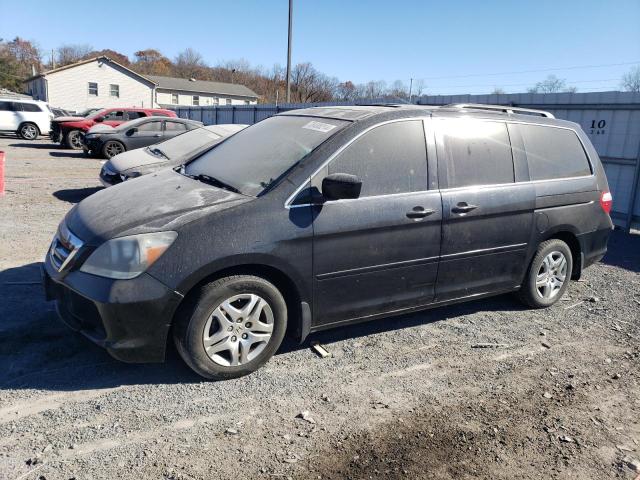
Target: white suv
(27,118)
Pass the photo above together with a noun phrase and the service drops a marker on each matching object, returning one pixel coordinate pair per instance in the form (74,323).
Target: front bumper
(129,318)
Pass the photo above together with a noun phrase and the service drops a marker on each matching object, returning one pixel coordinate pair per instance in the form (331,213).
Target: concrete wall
(69,88)
(163,97)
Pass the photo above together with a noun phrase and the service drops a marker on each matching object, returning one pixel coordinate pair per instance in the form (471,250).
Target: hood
(162,201)
(135,158)
(68,119)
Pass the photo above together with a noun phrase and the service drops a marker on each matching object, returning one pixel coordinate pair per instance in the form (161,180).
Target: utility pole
(289,52)
(410,88)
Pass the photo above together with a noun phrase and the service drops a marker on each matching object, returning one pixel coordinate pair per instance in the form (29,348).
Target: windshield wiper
(203,177)
(158,153)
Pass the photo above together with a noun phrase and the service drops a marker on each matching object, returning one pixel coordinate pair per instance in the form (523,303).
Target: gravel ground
(557,396)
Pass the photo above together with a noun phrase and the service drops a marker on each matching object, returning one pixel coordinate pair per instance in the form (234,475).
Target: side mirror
(99,119)
(341,185)
(131,131)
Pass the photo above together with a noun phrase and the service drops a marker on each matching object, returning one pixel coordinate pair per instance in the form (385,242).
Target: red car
(68,131)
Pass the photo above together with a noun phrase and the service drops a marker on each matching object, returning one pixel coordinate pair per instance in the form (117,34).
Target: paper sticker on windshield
(319,126)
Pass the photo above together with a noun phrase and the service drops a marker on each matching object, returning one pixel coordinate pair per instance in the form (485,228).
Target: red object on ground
(1,173)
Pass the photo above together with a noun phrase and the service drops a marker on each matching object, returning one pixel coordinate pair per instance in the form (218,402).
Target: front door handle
(420,212)
(463,207)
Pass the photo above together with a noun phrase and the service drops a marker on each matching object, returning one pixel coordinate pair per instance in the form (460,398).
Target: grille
(64,247)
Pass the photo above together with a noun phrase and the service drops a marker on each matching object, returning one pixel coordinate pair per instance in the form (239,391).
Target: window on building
(389,159)
(196,100)
(216,101)
(246,102)
(93,89)
(228,101)
(477,153)
(553,153)
(174,98)
(114,90)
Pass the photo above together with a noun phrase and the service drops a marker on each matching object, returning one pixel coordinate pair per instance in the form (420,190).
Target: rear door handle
(420,212)
(463,207)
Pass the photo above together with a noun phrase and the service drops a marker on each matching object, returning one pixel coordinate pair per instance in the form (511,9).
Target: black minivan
(325,216)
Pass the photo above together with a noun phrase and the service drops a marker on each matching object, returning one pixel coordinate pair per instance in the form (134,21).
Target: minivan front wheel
(548,275)
(28,131)
(231,327)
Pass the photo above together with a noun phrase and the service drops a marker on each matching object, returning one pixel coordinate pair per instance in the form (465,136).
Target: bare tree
(189,64)
(310,85)
(498,91)
(18,59)
(71,53)
(399,89)
(631,80)
(552,84)
(419,87)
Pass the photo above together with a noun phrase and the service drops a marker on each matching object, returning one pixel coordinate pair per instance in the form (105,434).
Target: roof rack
(502,108)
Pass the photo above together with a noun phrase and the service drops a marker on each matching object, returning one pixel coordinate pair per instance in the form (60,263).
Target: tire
(28,131)
(548,275)
(73,139)
(217,315)
(112,148)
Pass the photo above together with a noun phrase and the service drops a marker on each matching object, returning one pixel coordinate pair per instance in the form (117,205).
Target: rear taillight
(606,201)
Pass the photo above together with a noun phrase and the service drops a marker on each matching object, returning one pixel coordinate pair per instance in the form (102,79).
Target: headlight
(128,257)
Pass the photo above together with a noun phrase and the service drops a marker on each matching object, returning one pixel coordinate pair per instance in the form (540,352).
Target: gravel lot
(407,397)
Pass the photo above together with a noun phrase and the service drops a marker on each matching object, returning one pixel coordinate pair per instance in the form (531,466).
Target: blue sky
(455,46)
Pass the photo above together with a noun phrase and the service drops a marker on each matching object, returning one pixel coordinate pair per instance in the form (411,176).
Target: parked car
(26,118)
(108,142)
(322,217)
(68,131)
(87,112)
(168,153)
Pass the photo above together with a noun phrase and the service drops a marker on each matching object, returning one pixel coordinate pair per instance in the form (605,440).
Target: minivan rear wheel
(231,327)
(548,275)
(28,131)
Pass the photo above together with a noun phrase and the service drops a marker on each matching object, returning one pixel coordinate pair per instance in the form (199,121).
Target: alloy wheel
(238,330)
(551,275)
(112,149)
(29,132)
(76,140)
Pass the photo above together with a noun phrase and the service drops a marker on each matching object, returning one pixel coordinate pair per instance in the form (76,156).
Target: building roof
(202,86)
(89,60)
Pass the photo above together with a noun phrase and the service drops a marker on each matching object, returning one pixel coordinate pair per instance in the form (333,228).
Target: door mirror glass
(341,185)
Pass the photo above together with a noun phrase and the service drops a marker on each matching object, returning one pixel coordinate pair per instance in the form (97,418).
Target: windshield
(95,114)
(256,157)
(184,143)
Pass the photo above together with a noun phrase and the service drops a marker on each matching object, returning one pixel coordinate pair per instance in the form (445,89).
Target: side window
(150,127)
(30,107)
(132,115)
(115,115)
(5,107)
(93,89)
(175,127)
(477,152)
(391,158)
(553,153)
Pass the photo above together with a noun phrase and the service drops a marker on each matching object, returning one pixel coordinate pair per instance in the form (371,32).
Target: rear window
(477,153)
(554,153)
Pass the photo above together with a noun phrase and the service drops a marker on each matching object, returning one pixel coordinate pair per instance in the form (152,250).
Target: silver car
(170,153)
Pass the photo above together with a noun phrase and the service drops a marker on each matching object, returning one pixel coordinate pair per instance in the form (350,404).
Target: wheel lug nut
(234,338)
(230,329)
(248,324)
(245,336)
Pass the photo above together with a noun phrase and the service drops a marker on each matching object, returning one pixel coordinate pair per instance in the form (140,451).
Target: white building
(102,82)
